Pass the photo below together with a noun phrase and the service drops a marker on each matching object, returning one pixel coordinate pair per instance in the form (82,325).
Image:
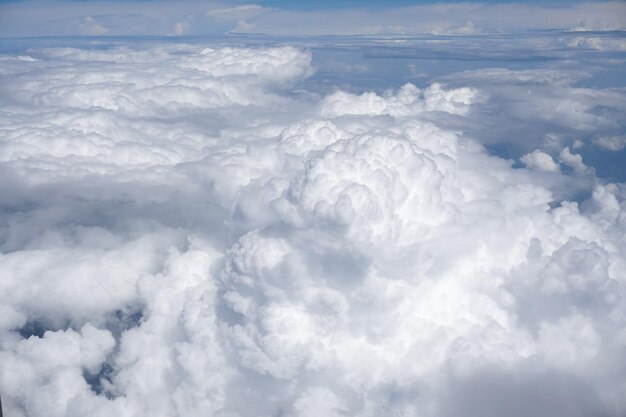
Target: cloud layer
(187,232)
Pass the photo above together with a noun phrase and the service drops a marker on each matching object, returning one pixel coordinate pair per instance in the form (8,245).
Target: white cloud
(183,235)
(540,160)
(409,100)
(597,43)
(574,161)
(243,26)
(91,27)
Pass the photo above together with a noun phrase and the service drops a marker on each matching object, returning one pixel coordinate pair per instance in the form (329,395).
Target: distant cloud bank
(156,18)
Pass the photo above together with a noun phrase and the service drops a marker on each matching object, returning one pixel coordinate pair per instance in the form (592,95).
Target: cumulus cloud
(184,234)
(540,160)
(409,100)
(574,161)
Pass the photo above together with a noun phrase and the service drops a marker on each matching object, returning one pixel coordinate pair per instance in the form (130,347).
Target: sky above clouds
(151,17)
(312,210)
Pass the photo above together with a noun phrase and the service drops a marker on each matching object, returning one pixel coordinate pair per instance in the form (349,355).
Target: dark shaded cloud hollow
(190,230)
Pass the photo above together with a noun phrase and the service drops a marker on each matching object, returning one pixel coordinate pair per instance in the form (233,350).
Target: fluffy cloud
(573,160)
(540,160)
(409,100)
(183,233)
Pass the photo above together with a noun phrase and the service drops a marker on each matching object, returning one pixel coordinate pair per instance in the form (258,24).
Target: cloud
(548,107)
(492,392)
(185,233)
(540,160)
(598,44)
(91,27)
(242,26)
(611,143)
(239,11)
(572,160)
(181,28)
(408,101)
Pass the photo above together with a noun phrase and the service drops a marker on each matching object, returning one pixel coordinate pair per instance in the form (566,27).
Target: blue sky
(330,4)
(282,18)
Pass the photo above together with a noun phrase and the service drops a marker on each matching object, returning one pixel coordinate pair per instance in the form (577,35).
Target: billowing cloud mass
(186,231)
